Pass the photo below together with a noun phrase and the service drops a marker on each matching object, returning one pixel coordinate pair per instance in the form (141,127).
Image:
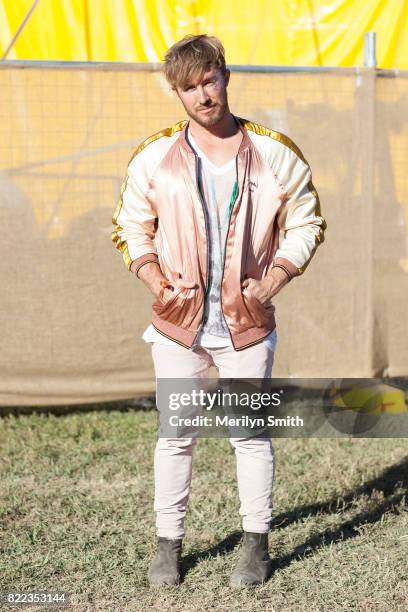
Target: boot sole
(162,584)
(242,583)
(164,581)
(238,581)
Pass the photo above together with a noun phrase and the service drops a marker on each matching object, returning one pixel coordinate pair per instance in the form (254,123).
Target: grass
(76,510)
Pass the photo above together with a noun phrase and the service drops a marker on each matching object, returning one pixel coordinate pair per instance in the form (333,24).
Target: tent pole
(20,29)
(370,58)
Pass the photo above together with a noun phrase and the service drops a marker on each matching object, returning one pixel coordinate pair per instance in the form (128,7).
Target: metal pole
(368,108)
(20,29)
(370,59)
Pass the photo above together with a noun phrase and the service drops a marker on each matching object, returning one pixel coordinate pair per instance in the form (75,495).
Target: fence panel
(72,315)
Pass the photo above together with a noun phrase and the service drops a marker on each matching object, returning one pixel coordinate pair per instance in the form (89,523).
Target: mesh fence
(72,315)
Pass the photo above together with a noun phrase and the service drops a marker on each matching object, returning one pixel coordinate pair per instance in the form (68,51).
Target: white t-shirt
(218,186)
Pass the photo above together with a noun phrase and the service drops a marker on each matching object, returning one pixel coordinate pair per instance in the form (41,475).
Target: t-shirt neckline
(215,169)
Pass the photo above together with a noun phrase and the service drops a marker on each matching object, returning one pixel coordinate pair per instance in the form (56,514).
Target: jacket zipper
(232,203)
(198,184)
(231,207)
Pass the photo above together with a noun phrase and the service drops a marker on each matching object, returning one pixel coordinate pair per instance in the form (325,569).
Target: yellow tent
(301,33)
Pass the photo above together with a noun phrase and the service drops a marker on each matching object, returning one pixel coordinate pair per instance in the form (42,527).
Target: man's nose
(203,96)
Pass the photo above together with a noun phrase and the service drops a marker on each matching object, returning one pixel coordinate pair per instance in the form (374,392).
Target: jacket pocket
(161,304)
(177,308)
(260,315)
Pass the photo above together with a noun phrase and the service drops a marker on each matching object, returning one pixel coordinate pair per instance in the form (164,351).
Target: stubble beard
(212,119)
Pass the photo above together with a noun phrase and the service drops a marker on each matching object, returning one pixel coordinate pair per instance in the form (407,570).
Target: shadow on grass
(224,547)
(396,476)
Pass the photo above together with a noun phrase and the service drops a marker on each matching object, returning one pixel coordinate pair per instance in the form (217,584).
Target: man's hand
(159,285)
(265,289)
(154,279)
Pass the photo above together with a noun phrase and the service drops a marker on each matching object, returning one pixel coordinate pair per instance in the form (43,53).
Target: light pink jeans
(255,457)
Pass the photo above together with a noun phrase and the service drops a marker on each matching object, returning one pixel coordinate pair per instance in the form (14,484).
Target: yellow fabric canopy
(297,33)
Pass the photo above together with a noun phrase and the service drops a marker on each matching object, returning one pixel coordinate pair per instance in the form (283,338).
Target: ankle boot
(165,567)
(254,565)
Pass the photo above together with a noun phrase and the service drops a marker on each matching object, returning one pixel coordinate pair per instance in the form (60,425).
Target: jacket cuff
(141,261)
(291,268)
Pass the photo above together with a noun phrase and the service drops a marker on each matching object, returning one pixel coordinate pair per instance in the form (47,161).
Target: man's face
(205,99)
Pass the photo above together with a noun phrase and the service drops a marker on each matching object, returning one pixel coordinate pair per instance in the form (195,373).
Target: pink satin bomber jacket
(161,218)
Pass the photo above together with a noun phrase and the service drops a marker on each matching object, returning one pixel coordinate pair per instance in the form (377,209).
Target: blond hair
(193,55)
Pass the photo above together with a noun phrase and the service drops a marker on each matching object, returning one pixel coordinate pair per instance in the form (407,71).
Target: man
(198,222)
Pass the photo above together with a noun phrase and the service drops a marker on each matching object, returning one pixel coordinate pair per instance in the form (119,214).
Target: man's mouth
(207,109)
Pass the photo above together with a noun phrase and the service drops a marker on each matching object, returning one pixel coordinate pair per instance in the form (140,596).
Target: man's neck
(226,128)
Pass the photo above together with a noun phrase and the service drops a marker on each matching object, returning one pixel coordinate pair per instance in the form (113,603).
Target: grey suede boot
(254,565)
(165,567)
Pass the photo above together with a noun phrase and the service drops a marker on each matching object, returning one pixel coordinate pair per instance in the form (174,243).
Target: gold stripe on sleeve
(264,131)
(120,244)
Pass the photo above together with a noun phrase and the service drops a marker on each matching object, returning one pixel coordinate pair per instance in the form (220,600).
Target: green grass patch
(76,512)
